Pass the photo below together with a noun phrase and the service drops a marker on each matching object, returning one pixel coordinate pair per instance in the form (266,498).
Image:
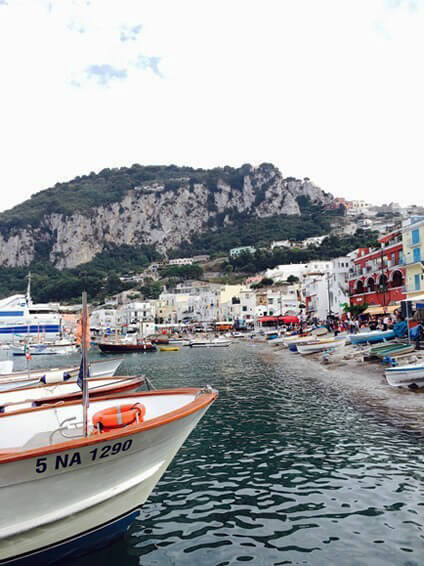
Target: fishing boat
(42,394)
(102,368)
(371,337)
(43,348)
(126,347)
(169,348)
(392,350)
(408,376)
(63,492)
(74,475)
(179,342)
(320,346)
(215,343)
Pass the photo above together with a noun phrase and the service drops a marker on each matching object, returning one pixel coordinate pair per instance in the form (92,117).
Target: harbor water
(285,468)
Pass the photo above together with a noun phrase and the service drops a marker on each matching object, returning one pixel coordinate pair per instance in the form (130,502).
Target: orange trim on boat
(202,400)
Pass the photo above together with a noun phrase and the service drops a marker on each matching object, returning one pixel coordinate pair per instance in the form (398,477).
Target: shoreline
(364,381)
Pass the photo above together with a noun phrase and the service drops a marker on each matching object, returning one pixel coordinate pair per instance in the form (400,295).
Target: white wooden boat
(62,492)
(410,376)
(102,368)
(371,337)
(319,346)
(41,394)
(43,348)
(216,343)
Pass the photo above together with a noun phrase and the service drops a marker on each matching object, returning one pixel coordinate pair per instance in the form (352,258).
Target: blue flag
(80,379)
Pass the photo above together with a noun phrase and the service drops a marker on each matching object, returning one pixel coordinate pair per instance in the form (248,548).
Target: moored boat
(371,337)
(85,490)
(320,346)
(43,349)
(169,348)
(126,347)
(97,368)
(409,376)
(41,394)
(216,343)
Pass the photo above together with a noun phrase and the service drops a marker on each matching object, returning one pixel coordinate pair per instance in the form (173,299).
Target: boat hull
(407,377)
(126,348)
(69,499)
(371,337)
(102,368)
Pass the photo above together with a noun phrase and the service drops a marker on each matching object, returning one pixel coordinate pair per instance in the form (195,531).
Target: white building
(338,293)
(234,252)
(281,244)
(314,241)
(102,319)
(181,261)
(299,270)
(358,207)
(136,312)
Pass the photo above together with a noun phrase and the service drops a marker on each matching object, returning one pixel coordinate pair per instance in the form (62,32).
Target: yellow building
(413,256)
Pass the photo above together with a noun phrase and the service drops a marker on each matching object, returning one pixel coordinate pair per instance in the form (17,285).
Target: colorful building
(378,275)
(413,249)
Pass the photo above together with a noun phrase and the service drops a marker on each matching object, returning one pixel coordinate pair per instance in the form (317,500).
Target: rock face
(157,215)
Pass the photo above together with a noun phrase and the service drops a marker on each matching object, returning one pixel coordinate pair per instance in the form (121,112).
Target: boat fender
(52,378)
(120,416)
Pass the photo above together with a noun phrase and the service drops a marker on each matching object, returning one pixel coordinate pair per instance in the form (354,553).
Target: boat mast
(85,395)
(28,292)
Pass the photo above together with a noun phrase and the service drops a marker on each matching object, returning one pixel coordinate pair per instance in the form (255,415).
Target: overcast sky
(328,89)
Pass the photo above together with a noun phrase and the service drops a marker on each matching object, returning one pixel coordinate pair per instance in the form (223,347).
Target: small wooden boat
(371,337)
(393,350)
(17,379)
(169,348)
(126,347)
(216,343)
(43,348)
(41,394)
(409,376)
(320,346)
(63,492)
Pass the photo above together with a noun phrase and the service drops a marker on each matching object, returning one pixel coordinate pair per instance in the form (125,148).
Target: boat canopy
(378,309)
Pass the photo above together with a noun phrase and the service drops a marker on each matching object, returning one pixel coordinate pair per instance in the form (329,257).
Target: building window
(417,254)
(415,236)
(417,281)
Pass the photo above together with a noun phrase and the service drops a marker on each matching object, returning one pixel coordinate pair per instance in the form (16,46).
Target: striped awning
(378,309)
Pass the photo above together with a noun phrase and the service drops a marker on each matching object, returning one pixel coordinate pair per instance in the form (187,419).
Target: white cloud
(330,90)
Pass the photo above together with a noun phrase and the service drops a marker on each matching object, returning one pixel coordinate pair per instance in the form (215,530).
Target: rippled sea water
(283,469)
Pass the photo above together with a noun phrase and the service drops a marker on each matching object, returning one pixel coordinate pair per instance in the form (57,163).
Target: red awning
(268,319)
(289,319)
(286,319)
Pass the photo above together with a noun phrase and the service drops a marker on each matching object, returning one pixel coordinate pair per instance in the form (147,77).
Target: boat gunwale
(24,373)
(201,400)
(41,385)
(123,384)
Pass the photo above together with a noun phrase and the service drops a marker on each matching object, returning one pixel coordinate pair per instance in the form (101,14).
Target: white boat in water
(21,318)
(410,376)
(40,394)
(43,349)
(216,343)
(102,368)
(63,492)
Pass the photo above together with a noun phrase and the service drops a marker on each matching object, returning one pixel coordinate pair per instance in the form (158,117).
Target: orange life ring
(117,417)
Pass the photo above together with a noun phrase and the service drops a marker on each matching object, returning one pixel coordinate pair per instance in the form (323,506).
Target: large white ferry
(20,318)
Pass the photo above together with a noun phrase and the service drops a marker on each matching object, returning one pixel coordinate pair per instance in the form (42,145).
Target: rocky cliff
(158,212)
